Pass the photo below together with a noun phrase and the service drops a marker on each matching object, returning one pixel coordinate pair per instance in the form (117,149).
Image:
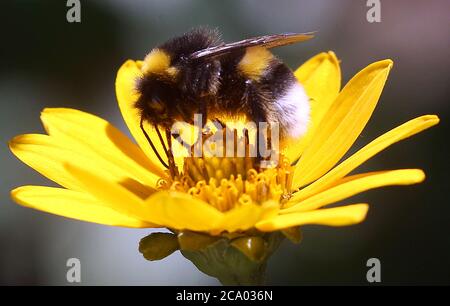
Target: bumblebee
(198,73)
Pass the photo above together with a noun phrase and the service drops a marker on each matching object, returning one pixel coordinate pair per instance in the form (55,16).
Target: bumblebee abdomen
(290,106)
(257,84)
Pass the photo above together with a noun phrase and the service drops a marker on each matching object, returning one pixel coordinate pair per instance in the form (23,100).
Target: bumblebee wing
(267,41)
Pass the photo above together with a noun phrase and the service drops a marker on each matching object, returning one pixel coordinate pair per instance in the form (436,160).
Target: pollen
(225,183)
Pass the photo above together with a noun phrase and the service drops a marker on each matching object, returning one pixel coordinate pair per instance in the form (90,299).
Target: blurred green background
(47,62)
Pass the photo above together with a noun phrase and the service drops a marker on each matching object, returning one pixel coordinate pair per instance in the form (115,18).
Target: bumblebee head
(156,87)
(161,92)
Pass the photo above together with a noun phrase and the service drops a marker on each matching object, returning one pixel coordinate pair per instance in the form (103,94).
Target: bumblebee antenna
(152,145)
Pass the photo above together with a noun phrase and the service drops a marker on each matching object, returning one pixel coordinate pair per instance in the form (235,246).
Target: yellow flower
(106,178)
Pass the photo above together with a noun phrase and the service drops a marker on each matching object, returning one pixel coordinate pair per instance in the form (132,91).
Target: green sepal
(230,265)
(293,234)
(157,246)
(252,247)
(191,241)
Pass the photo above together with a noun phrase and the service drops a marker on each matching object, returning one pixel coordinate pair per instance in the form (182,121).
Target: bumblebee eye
(157,106)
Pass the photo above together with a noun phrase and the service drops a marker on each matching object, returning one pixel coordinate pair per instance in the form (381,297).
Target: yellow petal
(127,97)
(401,132)
(182,212)
(321,78)
(98,139)
(72,204)
(110,194)
(241,218)
(339,216)
(355,184)
(48,155)
(44,156)
(342,123)
(246,216)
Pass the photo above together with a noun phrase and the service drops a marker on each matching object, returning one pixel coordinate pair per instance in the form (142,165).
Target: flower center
(227,182)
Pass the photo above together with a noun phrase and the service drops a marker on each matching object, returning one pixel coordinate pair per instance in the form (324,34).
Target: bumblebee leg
(203,111)
(172,166)
(152,145)
(163,144)
(258,116)
(224,139)
(222,124)
(197,147)
(261,144)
